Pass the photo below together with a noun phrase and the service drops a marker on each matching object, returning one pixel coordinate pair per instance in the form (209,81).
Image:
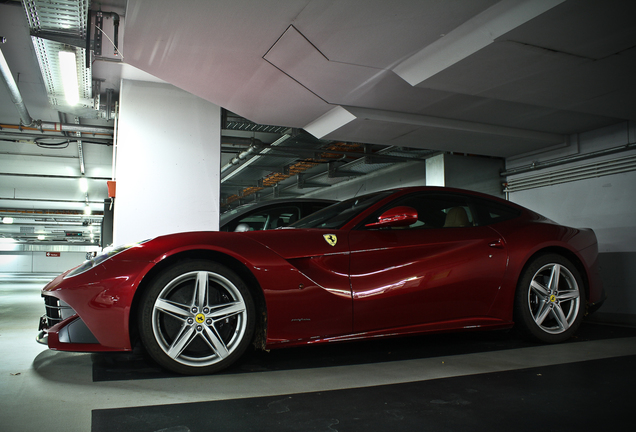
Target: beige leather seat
(456,218)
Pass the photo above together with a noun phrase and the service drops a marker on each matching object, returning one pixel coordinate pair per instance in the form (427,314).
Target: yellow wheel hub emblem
(552,298)
(331,239)
(199,318)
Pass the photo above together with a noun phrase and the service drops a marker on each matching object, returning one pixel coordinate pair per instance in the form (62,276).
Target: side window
(309,208)
(271,218)
(458,216)
(434,210)
(491,212)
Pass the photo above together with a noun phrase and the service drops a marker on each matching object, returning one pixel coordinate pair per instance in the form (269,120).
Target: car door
(439,269)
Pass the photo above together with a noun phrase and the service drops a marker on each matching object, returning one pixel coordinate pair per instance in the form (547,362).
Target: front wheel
(550,299)
(196,318)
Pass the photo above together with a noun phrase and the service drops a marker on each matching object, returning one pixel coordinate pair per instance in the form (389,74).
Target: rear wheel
(196,318)
(550,299)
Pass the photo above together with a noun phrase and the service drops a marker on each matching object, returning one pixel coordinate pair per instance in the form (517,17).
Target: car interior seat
(456,217)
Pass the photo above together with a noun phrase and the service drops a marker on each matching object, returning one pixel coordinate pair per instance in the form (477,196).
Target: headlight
(106,254)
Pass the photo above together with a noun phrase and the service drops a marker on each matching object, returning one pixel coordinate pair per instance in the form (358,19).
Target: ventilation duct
(566,175)
(16,97)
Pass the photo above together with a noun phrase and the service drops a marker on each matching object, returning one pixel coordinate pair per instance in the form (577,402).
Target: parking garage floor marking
(588,395)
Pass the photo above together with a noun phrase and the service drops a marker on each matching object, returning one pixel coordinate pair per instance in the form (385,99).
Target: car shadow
(138,365)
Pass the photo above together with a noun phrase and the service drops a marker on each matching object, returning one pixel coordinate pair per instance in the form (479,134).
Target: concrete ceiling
(498,78)
(484,77)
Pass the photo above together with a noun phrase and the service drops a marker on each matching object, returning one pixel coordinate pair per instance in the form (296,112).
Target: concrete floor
(43,390)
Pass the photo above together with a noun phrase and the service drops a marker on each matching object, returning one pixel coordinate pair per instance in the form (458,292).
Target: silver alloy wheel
(554,298)
(199,318)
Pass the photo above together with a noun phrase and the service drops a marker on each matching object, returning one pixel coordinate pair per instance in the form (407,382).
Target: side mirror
(400,216)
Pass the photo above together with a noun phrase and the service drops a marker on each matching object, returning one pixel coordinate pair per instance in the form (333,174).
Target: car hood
(245,246)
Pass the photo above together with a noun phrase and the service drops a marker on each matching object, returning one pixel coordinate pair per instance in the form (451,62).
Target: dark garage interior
(181,113)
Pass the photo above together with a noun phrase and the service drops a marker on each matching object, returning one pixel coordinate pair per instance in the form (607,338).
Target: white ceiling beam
(453,124)
(470,37)
(342,115)
(329,122)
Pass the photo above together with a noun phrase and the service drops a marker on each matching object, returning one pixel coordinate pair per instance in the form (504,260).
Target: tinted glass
(337,215)
(270,218)
(490,212)
(438,210)
(433,211)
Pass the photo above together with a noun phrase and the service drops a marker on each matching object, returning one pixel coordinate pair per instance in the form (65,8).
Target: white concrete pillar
(168,162)
(435,171)
(465,172)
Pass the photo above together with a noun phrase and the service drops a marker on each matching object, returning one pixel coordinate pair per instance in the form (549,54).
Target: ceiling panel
(590,29)
(364,32)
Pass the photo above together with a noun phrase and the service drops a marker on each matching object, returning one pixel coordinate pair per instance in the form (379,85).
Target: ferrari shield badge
(331,239)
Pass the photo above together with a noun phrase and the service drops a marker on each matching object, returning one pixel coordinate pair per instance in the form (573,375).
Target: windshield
(230,214)
(337,215)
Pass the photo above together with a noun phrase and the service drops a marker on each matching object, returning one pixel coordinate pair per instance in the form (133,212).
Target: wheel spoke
(568,295)
(539,289)
(186,335)
(555,275)
(227,310)
(542,314)
(215,342)
(200,289)
(177,310)
(560,317)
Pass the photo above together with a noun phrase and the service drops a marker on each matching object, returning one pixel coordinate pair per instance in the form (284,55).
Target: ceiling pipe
(243,155)
(41,126)
(56,176)
(14,91)
(26,136)
(239,142)
(254,148)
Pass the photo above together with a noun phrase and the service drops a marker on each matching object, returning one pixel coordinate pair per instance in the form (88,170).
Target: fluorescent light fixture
(68,68)
(83,184)
(87,210)
(7,220)
(40,237)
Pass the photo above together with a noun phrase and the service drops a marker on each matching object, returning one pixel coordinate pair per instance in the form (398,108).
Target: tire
(550,299)
(197,317)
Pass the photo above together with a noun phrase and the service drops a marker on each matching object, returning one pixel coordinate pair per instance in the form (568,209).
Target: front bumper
(91,311)
(60,328)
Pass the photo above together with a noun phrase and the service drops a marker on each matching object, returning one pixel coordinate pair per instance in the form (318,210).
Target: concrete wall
(606,203)
(168,159)
(40,261)
(22,258)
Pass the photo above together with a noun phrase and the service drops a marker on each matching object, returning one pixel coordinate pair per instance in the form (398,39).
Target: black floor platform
(583,396)
(137,365)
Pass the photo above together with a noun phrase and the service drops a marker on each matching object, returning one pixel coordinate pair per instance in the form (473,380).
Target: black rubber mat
(137,365)
(583,396)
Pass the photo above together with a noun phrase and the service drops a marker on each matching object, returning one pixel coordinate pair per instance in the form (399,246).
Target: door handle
(499,244)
